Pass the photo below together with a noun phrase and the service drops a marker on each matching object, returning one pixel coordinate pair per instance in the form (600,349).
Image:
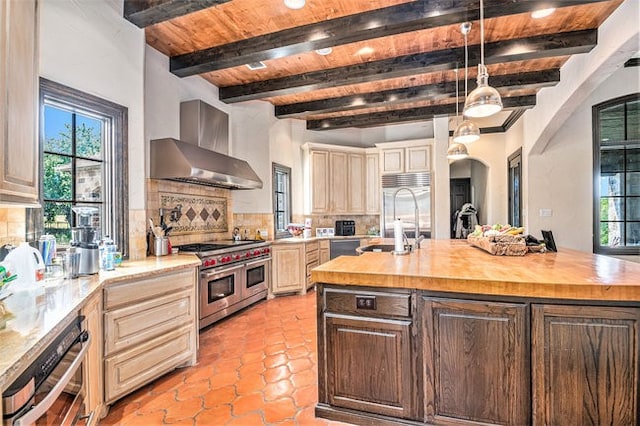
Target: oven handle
(257,261)
(38,410)
(207,275)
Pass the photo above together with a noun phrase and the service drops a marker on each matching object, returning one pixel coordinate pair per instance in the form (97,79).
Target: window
(83,144)
(281,199)
(616,154)
(514,163)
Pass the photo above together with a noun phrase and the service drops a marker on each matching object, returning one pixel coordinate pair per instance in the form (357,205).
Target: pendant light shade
(457,151)
(466,132)
(484,100)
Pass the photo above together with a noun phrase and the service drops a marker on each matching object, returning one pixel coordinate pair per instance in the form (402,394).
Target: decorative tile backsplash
(199,213)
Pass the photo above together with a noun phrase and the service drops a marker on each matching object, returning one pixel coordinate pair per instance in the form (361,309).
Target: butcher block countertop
(39,312)
(457,267)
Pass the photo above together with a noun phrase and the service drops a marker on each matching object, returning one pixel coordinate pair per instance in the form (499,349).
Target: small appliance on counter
(85,239)
(345,227)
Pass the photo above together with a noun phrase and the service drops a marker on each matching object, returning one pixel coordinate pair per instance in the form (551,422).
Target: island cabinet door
(369,365)
(476,367)
(585,365)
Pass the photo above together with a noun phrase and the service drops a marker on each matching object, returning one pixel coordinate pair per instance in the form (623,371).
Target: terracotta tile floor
(257,367)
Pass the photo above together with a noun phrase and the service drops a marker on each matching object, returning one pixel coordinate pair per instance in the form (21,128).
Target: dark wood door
(369,365)
(585,365)
(476,364)
(459,193)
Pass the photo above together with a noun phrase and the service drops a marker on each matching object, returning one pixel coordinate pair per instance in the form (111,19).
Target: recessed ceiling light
(365,51)
(542,13)
(294,4)
(256,66)
(324,51)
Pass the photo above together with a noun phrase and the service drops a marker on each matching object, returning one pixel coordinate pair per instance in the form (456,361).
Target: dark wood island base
(394,356)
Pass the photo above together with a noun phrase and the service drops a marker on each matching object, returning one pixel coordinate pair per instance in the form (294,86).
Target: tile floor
(257,367)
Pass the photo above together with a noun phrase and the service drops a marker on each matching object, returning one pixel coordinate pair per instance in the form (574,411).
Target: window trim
(597,248)
(119,205)
(274,168)
(516,156)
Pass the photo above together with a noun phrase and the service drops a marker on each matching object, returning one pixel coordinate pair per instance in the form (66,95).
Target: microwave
(345,227)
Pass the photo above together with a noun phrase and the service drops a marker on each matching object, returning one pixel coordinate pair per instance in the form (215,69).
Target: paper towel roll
(398,235)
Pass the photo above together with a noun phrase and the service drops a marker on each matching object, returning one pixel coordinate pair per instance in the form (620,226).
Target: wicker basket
(500,245)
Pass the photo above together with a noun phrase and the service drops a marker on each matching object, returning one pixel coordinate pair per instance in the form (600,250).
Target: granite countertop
(311,239)
(455,266)
(41,311)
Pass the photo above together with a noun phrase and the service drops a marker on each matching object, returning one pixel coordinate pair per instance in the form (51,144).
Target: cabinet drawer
(312,246)
(312,257)
(131,369)
(147,288)
(367,302)
(134,324)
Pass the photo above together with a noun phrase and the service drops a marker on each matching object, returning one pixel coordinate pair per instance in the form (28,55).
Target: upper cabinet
(335,179)
(405,157)
(19,167)
(372,196)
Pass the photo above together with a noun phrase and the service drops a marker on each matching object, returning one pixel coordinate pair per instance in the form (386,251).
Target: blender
(85,239)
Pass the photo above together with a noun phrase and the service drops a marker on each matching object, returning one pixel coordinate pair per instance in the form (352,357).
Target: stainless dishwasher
(343,247)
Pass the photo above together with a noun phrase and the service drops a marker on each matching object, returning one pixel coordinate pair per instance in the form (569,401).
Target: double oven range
(233,275)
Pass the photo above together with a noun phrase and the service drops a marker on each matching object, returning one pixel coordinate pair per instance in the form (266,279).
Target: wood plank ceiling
(392,61)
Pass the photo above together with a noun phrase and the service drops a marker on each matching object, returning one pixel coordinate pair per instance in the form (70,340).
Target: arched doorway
(467,185)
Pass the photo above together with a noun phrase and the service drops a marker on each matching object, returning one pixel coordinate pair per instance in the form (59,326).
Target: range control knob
(266,250)
(212,262)
(237,256)
(256,252)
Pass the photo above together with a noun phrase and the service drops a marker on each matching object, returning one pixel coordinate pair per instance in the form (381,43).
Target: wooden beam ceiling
(502,51)
(440,91)
(143,13)
(403,18)
(407,115)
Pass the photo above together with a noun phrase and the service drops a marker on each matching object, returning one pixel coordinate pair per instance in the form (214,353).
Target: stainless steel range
(233,275)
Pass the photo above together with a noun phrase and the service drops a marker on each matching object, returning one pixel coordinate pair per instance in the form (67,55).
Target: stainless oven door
(59,400)
(220,288)
(257,275)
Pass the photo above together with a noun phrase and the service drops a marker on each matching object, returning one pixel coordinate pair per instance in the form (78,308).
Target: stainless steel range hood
(193,158)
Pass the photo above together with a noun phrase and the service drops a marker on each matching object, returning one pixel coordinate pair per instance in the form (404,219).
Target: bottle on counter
(108,254)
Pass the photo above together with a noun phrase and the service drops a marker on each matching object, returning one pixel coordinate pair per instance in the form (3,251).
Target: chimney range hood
(193,160)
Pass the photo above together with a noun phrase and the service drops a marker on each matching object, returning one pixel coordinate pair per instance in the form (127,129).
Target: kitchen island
(453,335)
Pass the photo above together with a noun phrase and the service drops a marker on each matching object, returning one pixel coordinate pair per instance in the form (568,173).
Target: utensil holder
(160,246)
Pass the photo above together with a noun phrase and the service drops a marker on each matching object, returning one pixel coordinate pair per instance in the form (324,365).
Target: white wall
(89,46)
(560,178)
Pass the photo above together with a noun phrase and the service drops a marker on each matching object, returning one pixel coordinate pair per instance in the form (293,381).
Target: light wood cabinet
(405,157)
(325,253)
(475,360)
(356,184)
(585,365)
(338,182)
(319,186)
(372,184)
(92,372)
(288,268)
(335,179)
(291,266)
(19,168)
(150,328)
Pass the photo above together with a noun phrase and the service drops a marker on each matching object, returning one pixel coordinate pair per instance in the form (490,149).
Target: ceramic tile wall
(206,211)
(364,223)
(12,225)
(251,222)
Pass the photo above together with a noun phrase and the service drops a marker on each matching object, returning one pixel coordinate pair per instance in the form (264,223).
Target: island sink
(377,248)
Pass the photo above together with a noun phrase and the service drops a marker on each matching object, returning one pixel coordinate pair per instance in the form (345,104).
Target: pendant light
(457,151)
(484,100)
(467,131)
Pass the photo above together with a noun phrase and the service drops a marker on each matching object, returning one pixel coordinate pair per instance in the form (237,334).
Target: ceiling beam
(536,47)
(144,13)
(439,91)
(403,18)
(405,115)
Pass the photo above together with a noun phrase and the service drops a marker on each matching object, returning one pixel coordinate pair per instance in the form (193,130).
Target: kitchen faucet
(418,237)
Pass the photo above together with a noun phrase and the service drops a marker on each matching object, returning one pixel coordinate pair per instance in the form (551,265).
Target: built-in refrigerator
(419,185)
